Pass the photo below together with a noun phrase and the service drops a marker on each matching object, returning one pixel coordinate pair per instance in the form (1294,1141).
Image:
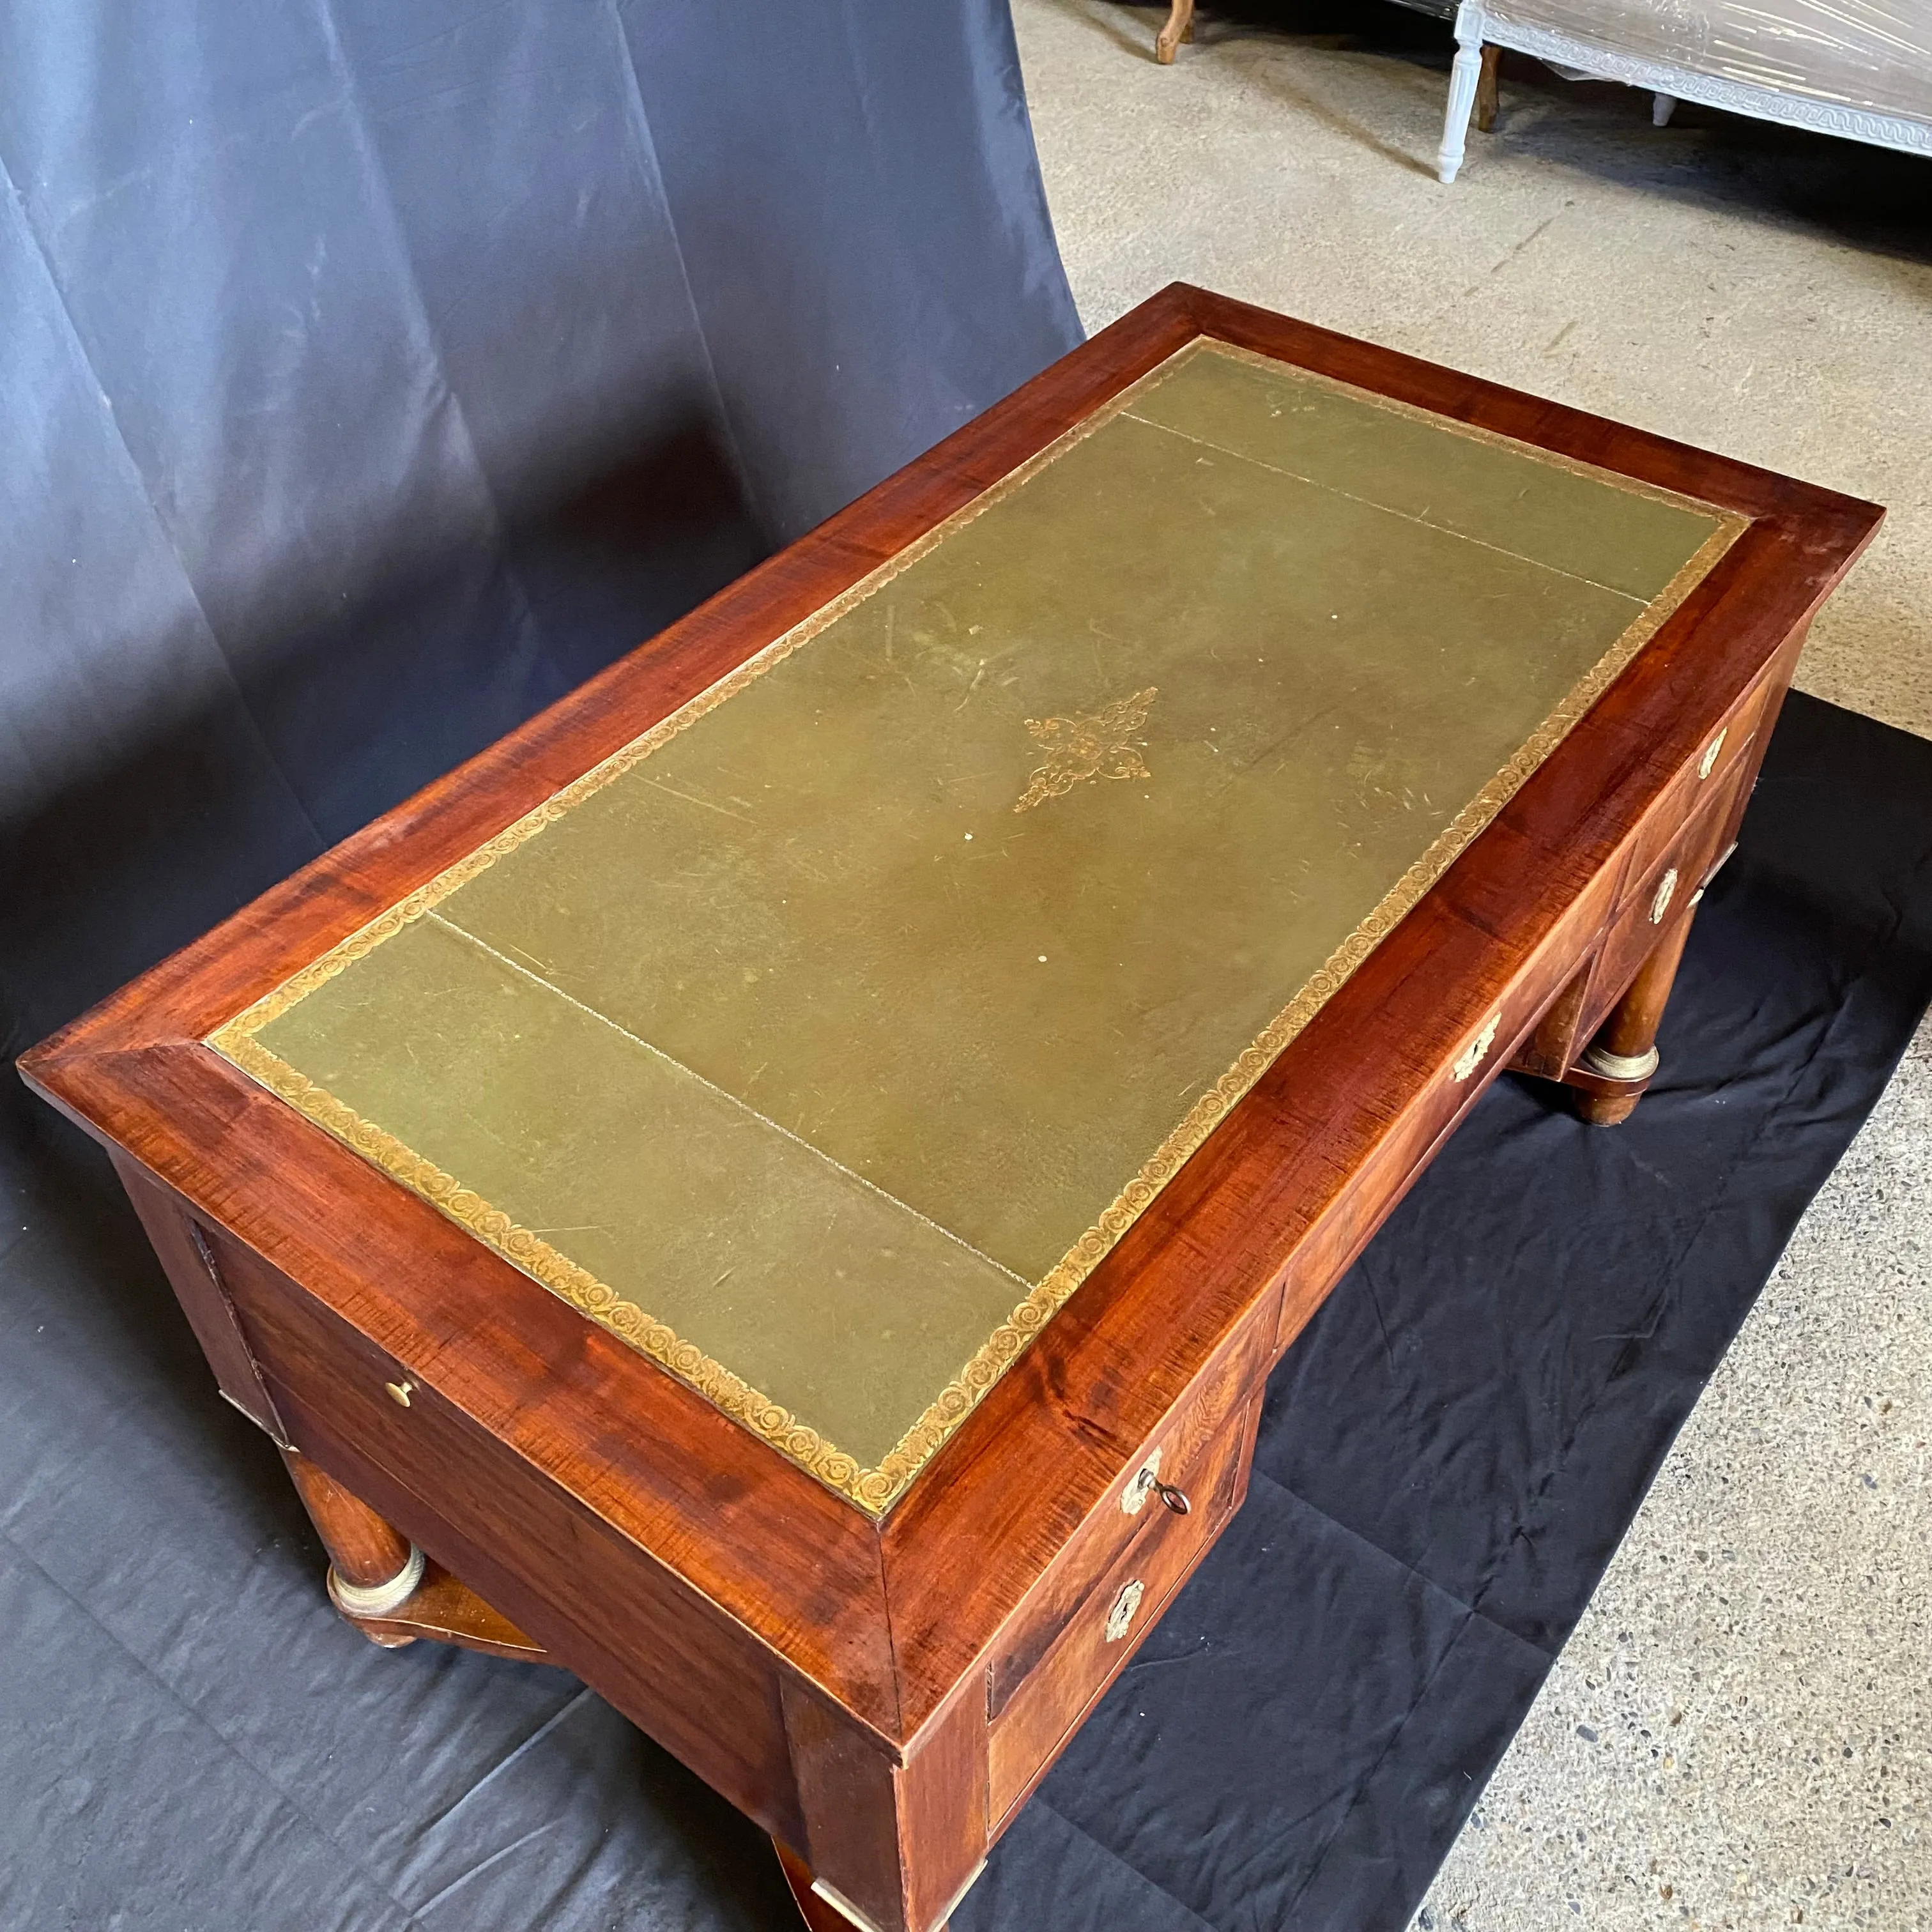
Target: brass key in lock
(1147,1482)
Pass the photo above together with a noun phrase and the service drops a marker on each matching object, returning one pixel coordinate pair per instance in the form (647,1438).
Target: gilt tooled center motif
(1102,746)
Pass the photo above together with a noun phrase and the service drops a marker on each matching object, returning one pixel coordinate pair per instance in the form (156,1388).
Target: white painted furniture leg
(1463,76)
(1662,106)
(1576,57)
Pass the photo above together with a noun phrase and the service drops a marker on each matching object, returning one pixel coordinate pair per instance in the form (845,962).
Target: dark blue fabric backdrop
(372,371)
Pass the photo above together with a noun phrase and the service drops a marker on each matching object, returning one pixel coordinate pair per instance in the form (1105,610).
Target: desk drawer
(1655,901)
(1183,1454)
(1532,1024)
(1108,1626)
(1711,771)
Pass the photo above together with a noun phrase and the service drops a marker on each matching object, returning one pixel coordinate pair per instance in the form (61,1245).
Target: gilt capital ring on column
(377,1600)
(1620,1066)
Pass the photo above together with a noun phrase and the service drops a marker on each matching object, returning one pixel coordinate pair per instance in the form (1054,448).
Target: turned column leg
(373,1568)
(1625,1047)
(1180,27)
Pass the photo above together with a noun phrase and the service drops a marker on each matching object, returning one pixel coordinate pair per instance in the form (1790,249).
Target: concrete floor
(1763,293)
(1739,1735)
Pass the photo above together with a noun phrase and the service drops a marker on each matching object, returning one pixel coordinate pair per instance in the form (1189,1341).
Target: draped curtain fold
(373,371)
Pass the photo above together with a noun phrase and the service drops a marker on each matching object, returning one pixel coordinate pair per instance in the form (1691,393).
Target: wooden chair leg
(1180,27)
(1487,100)
(373,1568)
(1623,1056)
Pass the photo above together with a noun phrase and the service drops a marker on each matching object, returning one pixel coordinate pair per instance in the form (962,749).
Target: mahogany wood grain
(1551,1044)
(899,1840)
(827,1673)
(1741,744)
(1093,1648)
(447,1611)
(632,1628)
(1194,1435)
(364,1549)
(185,1258)
(1729,764)
(1656,901)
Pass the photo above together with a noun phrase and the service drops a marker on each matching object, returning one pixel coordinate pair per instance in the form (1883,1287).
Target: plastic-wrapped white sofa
(1857,68)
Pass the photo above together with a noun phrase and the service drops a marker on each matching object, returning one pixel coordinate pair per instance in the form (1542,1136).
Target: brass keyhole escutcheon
(398,1393)
(1120,1618)
(1473,1055)
(1665,886)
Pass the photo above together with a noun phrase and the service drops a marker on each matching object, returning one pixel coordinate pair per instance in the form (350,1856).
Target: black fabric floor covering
(189,1738)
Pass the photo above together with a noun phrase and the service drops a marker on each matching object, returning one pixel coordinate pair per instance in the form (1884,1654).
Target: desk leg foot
(820,1914)
(382,1584)
(1465,77)
(1180,27)
(373,1569)
(1615,1069)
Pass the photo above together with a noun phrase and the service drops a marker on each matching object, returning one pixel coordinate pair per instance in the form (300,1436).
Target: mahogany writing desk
(786,1175)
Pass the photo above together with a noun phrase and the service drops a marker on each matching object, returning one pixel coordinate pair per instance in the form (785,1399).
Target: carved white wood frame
(1474,28)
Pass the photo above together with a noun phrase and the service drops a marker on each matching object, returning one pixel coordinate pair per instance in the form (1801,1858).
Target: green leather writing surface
(823,1040)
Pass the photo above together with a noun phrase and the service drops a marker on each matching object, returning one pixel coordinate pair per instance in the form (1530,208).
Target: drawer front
(1109,1625)
(1510,1027)
(1184,1456)
(1711,771)
(1657,900)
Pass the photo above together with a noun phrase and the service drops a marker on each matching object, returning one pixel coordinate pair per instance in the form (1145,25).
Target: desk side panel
(689,1676)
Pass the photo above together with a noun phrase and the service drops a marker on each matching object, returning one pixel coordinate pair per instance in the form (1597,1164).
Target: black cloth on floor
(189,1737)
(1452,1451)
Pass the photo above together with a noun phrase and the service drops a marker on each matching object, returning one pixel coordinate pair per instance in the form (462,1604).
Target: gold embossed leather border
(874,1490)
(556,1271)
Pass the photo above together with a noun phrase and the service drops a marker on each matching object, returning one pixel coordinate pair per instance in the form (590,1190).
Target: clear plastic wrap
(1868,56)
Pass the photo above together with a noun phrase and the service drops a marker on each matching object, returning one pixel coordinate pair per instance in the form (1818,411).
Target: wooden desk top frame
(877,1632)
